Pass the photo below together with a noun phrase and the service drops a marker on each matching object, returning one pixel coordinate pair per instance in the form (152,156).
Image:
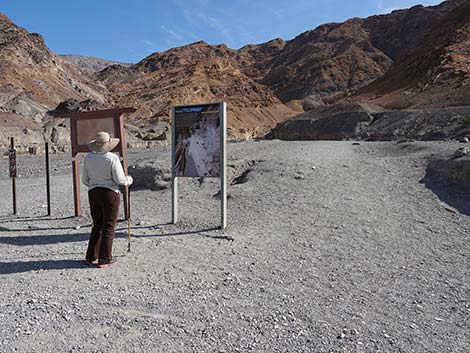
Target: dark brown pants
(104,205)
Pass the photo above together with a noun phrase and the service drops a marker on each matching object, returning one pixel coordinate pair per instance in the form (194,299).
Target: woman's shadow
(7,268)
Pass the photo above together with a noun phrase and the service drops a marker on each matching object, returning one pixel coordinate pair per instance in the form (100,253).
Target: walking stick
(129,218)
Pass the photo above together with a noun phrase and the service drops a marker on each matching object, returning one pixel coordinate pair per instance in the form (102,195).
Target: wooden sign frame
(121,148)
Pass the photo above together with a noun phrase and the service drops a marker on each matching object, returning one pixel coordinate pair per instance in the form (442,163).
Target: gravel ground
(336,248)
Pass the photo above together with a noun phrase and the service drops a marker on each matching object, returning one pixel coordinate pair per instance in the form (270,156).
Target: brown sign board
(83,128)
(87,129)
(12,163)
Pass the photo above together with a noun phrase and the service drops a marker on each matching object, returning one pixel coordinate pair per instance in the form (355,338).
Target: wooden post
(75,170)
(119,124)
(76,186)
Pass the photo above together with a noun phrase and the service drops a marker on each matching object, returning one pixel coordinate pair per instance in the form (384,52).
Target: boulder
(455,170)
(462,151)
(150,176)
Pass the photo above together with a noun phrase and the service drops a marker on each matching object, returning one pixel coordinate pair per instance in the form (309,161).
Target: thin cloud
(173,34)
(217,26)
(148,43)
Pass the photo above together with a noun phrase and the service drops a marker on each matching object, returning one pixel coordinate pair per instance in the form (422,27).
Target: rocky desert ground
(330,247)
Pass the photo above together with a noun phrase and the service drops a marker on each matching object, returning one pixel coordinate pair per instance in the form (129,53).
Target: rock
(149,176)
(218,194)
(464,139)
(455,170)
(35,149)
(339,122)
(418,124)
(462,151)
(242,178)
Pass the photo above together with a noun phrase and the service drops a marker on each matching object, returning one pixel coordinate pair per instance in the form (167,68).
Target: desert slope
(336,248)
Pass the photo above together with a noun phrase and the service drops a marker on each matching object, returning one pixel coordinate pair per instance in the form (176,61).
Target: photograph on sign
(88,128)
(197,141)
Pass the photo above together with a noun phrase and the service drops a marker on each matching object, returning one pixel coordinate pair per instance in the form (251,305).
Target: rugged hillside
(193,74)
(436,73)
(34,80)
(90,64)
(414,58)
(325,64)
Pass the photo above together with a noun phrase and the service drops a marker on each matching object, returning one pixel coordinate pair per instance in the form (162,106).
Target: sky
(129,30)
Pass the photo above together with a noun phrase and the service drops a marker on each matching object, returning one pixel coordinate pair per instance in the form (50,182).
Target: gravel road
(331,247)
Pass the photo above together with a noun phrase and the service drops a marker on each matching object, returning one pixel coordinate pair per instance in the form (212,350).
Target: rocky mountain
(90,64)
(196,73)
(434,73)
(34,80)
(409,59)
(326,64)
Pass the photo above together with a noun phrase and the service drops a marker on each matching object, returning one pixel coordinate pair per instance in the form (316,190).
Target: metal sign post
(48,180)
(174,178)
(195,152)
(223,166)
(12,165)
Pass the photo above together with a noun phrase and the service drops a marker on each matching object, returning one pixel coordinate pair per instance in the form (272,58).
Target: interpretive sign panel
(88,128)
(83,128)
(197,139)
(199,134)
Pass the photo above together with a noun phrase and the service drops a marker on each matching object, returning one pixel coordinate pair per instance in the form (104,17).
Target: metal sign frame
(121,148)
(223,162)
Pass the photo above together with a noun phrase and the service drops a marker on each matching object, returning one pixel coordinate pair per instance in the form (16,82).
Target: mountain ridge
(264,84)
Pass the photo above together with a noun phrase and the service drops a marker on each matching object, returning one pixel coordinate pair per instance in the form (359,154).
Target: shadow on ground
(7,268)
(454,195)
(47,239)
(44,239)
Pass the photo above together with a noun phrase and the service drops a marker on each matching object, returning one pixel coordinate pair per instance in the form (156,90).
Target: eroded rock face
(328,123)
(426,124)
(361,122)
(456,170)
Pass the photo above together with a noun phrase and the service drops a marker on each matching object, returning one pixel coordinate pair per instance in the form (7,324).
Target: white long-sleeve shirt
(104,170)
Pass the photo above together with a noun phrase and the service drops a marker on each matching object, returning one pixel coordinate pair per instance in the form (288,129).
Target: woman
(103,174)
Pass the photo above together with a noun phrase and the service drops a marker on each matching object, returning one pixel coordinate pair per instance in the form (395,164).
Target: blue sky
(129,30)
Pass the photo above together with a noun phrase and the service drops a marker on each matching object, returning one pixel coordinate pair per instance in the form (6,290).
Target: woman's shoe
(107,263)
(90,262)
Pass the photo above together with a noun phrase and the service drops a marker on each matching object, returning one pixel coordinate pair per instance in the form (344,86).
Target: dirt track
(337,248)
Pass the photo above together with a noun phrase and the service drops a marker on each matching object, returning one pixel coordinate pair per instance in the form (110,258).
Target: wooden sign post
(12,164)
(83,128)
